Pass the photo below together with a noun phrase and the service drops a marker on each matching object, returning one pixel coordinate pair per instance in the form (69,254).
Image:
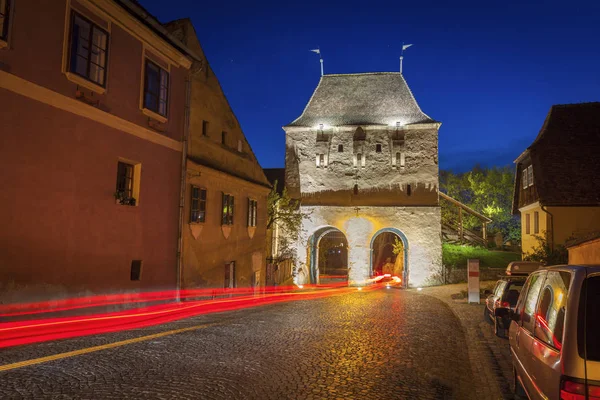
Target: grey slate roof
(380,98)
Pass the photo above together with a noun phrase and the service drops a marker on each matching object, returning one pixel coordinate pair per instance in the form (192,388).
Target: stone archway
(381,250)
(328,251)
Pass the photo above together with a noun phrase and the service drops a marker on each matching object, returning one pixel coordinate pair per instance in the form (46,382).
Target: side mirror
(502,312)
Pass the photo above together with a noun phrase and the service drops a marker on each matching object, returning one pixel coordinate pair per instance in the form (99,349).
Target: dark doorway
(388,255)
(333,257)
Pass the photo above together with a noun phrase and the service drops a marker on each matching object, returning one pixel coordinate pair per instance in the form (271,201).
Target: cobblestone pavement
(489,355)
(385,344)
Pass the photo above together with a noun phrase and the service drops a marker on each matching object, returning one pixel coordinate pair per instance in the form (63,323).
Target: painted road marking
(93,349)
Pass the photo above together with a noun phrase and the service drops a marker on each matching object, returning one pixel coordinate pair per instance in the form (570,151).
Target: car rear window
(511,293)
(588,326)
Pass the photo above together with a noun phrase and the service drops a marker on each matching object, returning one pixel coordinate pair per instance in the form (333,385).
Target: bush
(456,256)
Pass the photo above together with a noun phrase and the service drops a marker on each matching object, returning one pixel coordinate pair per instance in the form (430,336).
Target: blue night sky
(489,71)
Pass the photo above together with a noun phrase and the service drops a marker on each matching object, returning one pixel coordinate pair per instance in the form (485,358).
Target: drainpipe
(551,237)
(186,129)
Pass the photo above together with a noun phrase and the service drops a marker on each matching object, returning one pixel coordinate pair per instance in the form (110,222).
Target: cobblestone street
(385,344)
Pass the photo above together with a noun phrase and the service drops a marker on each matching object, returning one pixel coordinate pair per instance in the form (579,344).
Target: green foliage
(543,252)
(398,246)
(456,256)
(488,191)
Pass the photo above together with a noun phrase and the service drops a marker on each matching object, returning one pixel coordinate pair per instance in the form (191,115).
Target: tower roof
(381,98)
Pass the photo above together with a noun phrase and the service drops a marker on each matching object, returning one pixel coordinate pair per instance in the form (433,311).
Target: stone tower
(363,159)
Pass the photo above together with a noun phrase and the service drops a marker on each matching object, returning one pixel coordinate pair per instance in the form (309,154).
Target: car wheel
(517,387)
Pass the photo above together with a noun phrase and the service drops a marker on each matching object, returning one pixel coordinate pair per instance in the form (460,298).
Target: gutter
(186,130)
(549,238)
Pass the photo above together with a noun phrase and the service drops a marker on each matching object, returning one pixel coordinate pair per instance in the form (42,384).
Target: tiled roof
(566,156)
(381,98)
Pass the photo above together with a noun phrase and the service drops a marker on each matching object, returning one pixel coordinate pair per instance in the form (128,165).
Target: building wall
(208,246)
(61,224)
(585,253)
(567,222)
(420,225)
(528,240)
(379,182)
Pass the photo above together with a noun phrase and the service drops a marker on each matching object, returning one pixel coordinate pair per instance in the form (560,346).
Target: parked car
(505,295)
(506,292)
(554,334)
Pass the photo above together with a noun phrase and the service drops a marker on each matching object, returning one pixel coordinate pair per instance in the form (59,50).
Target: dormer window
(530,175)
(527,177)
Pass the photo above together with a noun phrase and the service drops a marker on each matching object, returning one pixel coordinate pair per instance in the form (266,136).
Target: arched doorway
(328,256)
(389,254)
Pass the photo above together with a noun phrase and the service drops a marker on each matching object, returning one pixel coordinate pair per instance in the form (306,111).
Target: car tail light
(505,304)
(571,390)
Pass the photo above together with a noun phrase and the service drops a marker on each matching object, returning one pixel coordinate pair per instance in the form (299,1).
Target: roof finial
(404,47)
(318,51)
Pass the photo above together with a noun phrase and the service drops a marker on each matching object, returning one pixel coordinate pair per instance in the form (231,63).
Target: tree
(284,212)
(488,191)
(547,254)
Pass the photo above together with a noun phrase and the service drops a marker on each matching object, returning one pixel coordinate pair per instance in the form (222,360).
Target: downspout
(551,237)
(186,129)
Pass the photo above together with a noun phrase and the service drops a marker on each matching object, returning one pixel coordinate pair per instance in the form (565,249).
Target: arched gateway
(328,251)
(384,259)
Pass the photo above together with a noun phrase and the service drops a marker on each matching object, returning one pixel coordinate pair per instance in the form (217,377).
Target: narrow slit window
(527,224)
(378,148)
(408,190)
(536,222)
(224,137)
(340,148)
(136,270)
(204,128)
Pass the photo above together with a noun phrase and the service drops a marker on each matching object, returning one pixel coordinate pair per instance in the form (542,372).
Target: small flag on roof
(404,46)
(316,51)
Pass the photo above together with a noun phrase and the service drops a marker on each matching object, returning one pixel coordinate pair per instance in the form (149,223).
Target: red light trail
(53,328)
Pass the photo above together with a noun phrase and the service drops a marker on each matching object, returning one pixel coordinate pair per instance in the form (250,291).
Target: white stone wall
(340,174)
(420,225)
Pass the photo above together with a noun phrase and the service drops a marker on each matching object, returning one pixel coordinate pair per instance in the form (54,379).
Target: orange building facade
(92,122)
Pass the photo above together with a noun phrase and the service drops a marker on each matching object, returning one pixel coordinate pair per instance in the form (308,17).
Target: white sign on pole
(473,280)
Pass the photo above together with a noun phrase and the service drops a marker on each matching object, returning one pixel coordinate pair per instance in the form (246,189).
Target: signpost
(473,280)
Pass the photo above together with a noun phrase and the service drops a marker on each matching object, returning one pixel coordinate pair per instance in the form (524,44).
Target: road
(383,344)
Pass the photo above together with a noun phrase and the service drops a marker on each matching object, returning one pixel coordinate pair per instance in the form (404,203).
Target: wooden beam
(464,207)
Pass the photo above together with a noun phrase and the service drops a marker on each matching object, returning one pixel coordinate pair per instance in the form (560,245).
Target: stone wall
(420,225)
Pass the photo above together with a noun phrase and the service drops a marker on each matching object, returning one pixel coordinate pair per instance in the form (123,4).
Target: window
(252,207)
(124,192)
(401,161)
(530,175)
(588,324)
(156,89)
(378,148)
(550,314)
(198,207)
(227,214)
(322,160)
(527,224)
(88,55)
(4,15)
(528,316)
(355,189)
(240,148)
(359,160)
(204,128)
(136,270)
(340,148)
(224,137)
(536,222)
(524,179)
(408,190)
(360,134)
(229,282)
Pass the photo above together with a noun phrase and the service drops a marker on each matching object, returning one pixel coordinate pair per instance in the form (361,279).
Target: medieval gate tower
(363,158)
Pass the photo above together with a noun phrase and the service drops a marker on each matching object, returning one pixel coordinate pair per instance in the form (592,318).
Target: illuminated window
(530,175)
(252,209)
(88,55)
(4,15)
(204,128)
(136,270)
(125,184)
(536,222)
(227,213)
(340,148)
(156,89)
(198,205)
(378,148)
(527,224)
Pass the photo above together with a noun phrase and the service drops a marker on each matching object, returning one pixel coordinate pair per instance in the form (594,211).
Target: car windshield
(511,293)
(589,325)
